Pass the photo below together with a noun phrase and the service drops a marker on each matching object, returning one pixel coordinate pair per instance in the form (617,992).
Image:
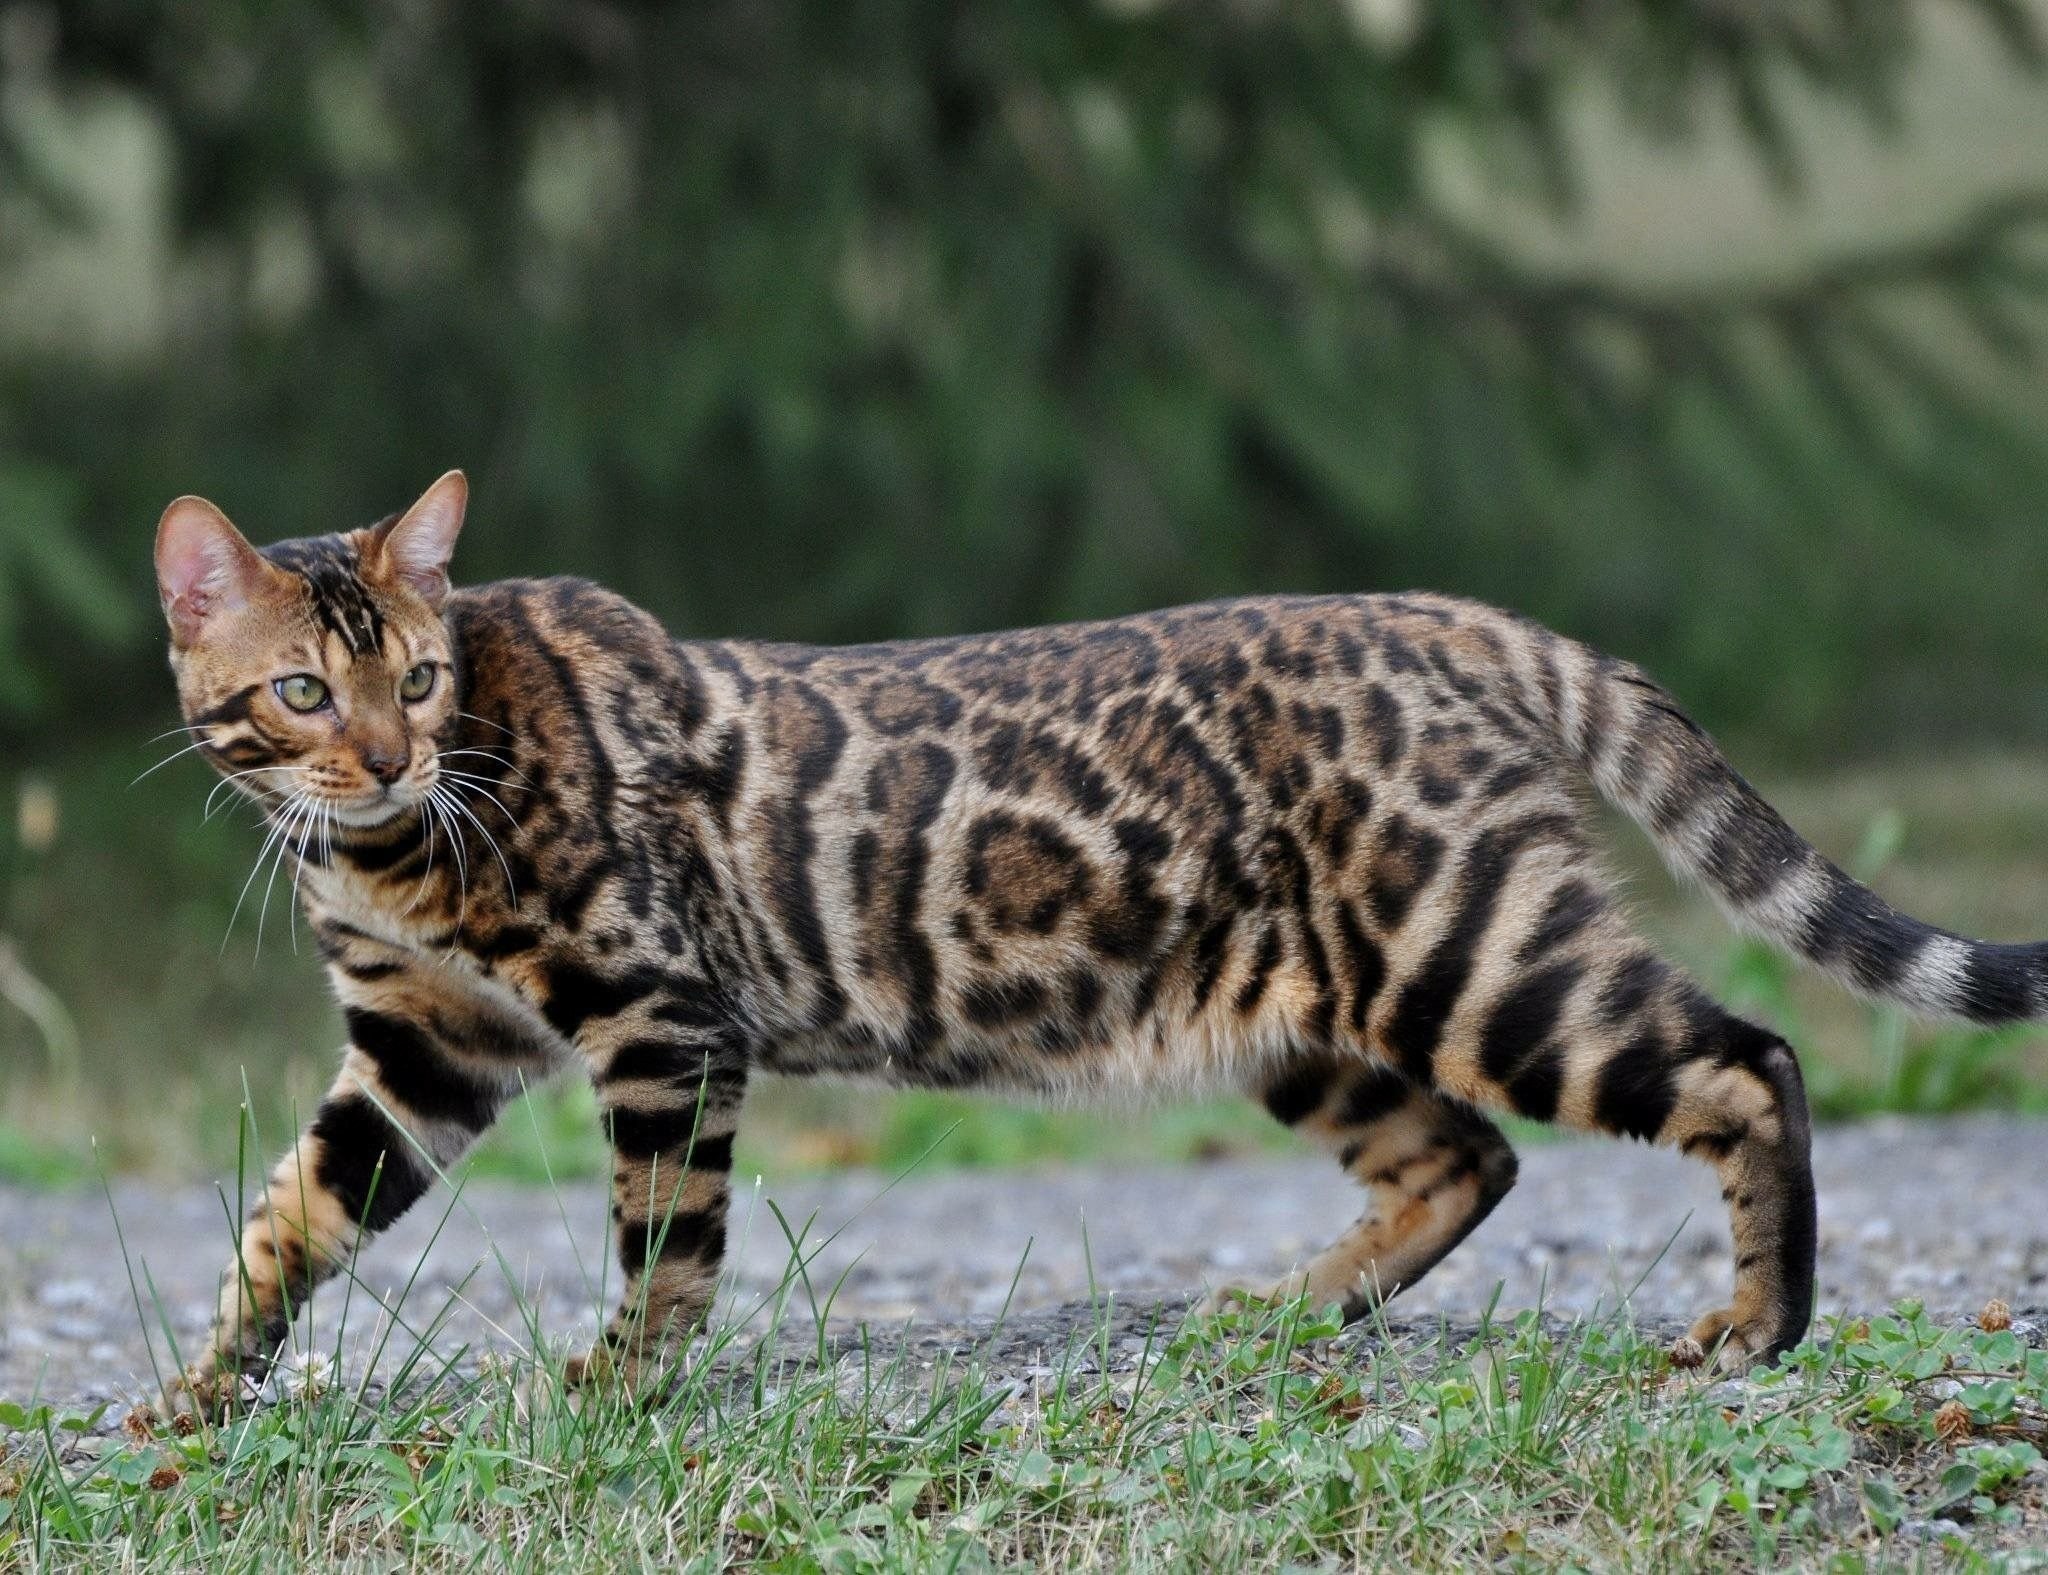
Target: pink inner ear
(417,547)
(203,565)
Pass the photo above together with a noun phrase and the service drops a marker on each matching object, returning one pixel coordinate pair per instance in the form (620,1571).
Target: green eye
(417,683)
(302,692)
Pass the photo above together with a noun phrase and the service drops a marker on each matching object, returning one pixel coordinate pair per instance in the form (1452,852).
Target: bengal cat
(1332,852)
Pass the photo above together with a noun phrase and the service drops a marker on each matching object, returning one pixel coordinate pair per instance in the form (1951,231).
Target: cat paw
(1742,1345)
(604,1369)
(592,1369)
(207,1392)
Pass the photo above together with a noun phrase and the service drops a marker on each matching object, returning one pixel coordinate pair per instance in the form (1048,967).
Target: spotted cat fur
(1330,852)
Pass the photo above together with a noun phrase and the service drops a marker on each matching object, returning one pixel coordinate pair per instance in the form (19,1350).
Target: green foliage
(1017,312)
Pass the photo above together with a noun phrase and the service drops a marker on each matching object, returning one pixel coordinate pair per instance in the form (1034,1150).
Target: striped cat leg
(1433,1168)
(1728,1092)
(670,1102)
(354,1171)
(1627,1044)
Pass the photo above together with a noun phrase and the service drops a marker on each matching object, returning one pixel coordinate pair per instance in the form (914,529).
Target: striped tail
(1658,767)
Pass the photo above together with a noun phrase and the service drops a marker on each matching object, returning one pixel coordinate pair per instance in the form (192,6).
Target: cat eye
(417,683)
(302,692)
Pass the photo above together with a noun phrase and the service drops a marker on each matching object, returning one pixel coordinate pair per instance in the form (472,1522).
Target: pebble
(68,1293)
(1935,1530)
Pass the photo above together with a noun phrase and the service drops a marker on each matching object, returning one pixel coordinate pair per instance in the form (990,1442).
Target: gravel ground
(1952,1212)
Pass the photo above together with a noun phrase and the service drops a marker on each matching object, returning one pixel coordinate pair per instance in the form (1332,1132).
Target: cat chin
(367,817)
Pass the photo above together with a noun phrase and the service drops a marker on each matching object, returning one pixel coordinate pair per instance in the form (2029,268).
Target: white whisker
(301,807)
(487,722)
(495,759)
(490,841)
(419,891)
(448,825)
(463,782)
(235,776)
(317,823)
(174,755)
(484,785)
(277,825)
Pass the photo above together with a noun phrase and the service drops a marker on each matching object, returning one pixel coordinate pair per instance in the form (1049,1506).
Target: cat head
(321,666)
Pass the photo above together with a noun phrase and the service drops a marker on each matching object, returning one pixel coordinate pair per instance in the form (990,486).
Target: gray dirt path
(1952,1212)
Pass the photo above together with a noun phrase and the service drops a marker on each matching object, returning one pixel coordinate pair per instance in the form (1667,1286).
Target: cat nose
(385,766)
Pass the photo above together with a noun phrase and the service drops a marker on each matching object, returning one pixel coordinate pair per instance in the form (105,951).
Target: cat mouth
(364,814)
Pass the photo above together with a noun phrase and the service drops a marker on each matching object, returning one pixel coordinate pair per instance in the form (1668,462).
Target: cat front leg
(670,1080)
(424,1074)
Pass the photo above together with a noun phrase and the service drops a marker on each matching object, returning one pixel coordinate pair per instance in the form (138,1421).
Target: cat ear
(203,566)
(417,545)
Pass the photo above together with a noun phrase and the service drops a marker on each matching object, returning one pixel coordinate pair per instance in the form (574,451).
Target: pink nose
(385,767)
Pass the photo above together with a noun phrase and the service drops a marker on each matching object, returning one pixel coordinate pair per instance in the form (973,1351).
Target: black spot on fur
(1573,906)
(1635,1094)
(1384,725)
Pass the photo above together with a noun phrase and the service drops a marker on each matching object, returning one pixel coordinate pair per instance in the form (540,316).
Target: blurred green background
(1709,333)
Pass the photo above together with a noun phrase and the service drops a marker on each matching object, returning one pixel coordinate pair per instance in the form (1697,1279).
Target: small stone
(1731,1394)
(1370,1430)
(77,1331)
(1929,1530)
(1944,1389)
(68,1293)
(1995,1316)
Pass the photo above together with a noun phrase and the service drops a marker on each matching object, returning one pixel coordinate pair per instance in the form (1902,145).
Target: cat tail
(1656,765)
